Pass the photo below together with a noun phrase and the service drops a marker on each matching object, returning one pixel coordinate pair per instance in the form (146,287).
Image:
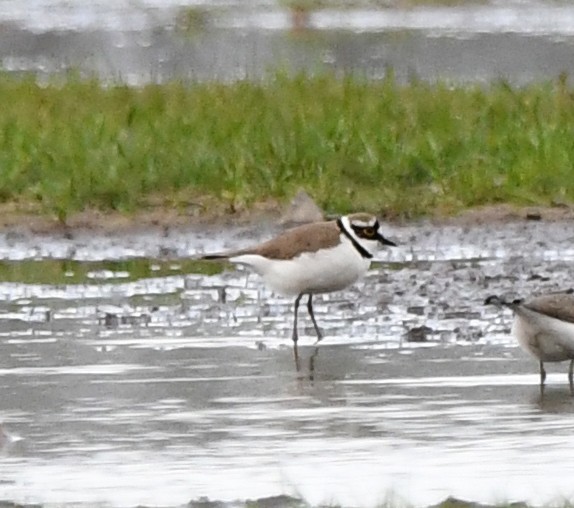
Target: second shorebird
(544,327)
(314,258)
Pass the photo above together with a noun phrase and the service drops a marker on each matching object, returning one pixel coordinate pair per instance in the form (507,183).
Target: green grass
(403,151)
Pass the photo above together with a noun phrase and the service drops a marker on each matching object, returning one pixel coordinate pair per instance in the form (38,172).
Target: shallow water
(159,40)
(137,382)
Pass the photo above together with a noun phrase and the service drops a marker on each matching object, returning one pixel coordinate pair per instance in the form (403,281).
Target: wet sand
(161,220)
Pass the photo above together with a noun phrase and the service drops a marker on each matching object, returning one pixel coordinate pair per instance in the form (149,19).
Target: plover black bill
(314,258)
(544,327)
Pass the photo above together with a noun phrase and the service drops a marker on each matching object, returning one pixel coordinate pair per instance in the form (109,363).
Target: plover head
(364,230)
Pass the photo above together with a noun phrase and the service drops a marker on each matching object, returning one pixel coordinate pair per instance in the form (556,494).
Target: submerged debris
(418,334)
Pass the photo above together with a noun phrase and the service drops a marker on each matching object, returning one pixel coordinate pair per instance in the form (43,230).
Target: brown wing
(556,305)
(309,238)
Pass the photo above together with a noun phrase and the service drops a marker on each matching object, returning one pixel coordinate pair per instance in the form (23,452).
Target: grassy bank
(353,144)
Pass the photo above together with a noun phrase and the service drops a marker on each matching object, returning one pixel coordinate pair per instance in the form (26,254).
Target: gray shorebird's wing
(557,305)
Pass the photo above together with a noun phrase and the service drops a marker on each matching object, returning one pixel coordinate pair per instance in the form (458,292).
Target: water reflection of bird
(314,258)
(544,327)
(5,437)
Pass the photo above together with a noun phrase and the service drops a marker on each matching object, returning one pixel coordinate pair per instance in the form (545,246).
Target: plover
(544,327)
(314,258)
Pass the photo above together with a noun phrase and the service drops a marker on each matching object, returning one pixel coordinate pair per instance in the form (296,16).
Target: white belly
(546,338)
(316,272)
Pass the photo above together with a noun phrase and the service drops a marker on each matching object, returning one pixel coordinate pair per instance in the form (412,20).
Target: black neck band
(362,251)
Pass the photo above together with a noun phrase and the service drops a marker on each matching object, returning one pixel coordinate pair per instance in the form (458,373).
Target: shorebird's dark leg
(542,377)
(311,313)
(570,377)
(295,333)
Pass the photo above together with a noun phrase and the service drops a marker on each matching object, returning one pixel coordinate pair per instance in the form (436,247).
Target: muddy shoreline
(13,220)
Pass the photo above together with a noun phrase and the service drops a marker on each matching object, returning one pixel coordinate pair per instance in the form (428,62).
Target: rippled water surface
(134,379)
(158,40)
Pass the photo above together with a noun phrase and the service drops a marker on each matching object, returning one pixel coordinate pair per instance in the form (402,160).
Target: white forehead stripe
(362,224)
